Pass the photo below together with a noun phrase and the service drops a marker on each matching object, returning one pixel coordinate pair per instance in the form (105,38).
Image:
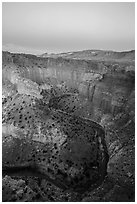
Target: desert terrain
(68,126)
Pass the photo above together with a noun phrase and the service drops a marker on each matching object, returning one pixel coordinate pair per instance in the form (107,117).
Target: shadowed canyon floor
(68,126)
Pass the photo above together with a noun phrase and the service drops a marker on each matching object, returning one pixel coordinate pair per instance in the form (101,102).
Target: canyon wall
(103,87)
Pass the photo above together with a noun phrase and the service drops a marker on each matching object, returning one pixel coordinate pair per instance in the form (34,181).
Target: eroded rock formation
(49,105)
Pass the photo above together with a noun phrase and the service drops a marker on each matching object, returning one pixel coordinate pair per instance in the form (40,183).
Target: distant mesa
(94,55)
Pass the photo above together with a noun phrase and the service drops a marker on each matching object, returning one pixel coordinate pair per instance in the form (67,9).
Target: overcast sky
(59,27)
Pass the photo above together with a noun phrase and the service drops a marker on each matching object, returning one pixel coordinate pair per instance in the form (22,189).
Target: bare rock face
(49,105)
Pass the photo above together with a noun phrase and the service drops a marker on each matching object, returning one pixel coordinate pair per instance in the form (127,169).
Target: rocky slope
(50,102)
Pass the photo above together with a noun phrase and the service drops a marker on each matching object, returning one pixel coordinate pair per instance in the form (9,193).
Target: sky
(61,27)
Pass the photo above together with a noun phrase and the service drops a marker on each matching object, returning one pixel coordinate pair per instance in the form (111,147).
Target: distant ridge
(94,55)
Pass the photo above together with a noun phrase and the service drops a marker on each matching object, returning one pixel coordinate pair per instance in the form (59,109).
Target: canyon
(78,111)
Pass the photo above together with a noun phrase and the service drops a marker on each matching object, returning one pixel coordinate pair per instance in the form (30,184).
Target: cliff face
(99,89)
(104,87)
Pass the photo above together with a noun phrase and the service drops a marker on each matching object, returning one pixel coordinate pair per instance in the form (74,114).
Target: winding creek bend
(33,171)
(70,124)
